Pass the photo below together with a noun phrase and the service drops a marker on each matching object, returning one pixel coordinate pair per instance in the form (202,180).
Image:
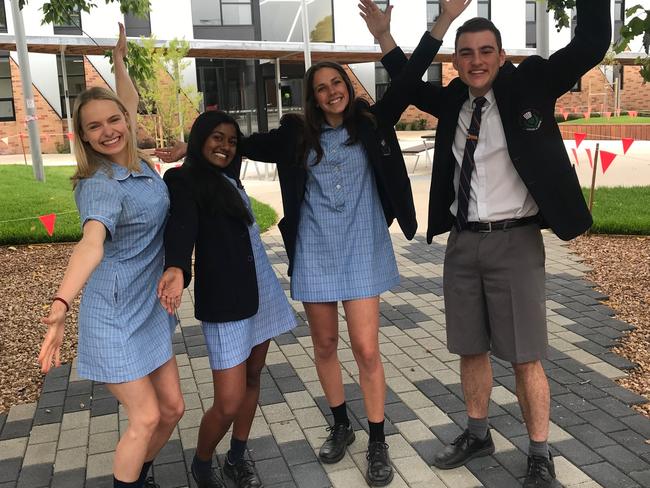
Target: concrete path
(66,440)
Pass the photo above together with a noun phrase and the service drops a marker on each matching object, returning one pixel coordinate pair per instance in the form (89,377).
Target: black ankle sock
(145,470)
(123,484)
(376,431)
(202,468)
(237,449)
(340,414)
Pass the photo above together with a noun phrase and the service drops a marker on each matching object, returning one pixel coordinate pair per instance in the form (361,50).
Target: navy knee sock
(202,468)
(237,450)
(123,484)
(376,431)
(340,414)
(145,470)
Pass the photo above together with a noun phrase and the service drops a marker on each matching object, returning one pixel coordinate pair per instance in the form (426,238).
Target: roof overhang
(218,49)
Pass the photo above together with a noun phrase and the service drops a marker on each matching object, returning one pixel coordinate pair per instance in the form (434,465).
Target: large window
(485,8)
(434,74)
(137,26)
(619,18)
(7,111)
(72,26)
(281,20)
(531,23)
(433,11)
(382,81)
(3,17)
(222,12)
(74,66)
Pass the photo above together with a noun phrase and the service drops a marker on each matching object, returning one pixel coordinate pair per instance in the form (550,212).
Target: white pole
(541,21)
(28,94)
(277,80)
(64,73)
(305,34)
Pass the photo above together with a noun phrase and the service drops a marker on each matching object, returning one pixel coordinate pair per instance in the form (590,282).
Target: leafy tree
(59,11)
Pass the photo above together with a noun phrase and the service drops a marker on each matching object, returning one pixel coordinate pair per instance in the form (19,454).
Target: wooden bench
(418,149)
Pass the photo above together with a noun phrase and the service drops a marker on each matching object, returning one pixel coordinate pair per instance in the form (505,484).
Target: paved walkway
(67,438)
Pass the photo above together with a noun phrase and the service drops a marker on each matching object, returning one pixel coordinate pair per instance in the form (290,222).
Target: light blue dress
(124,332)
(343,248)
(230,343)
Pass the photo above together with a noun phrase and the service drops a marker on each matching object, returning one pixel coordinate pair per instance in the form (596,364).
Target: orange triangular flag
(575,156)
(591,160)
(70,136)
(579,137)
(587,114)
(633,113)
(565,115)
(157,167)
(627,142)
(606,159)
(48,222)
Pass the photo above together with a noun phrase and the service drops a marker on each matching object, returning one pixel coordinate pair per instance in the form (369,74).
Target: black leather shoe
(380,471)
(333,449)
(465,447)
(150,483)
(243,474)
(541,473)
(211,481)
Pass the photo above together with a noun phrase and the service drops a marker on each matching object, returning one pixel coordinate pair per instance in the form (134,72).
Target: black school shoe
(541,473)
(333,449)
(243,473)
(150,483)
(211,481)
(380,470)
(465,447)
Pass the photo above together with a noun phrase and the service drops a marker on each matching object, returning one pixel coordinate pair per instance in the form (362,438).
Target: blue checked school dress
(124,332)
(230,343)
(343,248)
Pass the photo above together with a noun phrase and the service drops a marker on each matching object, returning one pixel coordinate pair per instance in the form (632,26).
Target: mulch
(31,274)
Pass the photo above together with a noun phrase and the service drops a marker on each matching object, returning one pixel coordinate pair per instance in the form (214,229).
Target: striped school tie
(467,167)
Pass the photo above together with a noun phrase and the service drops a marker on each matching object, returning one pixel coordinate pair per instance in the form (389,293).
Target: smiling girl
(237,296)
(124,332)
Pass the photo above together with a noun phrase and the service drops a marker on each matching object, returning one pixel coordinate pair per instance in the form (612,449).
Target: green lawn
(23,199)
(623,120)
(621,210)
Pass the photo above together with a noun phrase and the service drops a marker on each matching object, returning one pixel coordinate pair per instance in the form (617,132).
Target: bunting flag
(70,136)
(157,165)
(633,113)
(565,115)
(627,142)
(5,140)
(575,156)
(606,159)
(579,137)
(587,115)
(48,222)
(591,160)
(607,115)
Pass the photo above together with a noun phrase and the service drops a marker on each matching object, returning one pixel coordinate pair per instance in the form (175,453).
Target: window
(72,26)
(7,111)
(485,8)
(222,12)
(382,81)
(434,74)
(137,26)
(531,23)
(619,18)
(3,17)
(433,11)
(281,20)
(74,66)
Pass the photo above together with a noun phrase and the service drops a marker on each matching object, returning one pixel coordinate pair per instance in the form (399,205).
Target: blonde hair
(89,160)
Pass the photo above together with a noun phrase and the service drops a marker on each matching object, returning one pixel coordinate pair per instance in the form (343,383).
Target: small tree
(60,11)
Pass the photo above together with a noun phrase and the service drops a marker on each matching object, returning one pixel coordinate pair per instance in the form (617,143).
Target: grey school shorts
(495,294)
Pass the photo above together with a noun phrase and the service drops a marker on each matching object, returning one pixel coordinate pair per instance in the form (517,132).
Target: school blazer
(225,282)
(384,154)
(526,96)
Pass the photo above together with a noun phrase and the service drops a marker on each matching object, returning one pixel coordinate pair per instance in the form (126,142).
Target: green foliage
(634,27)
(140,63)
(559,12)
(621,210)
(59,11)
(401,125)
(21,197)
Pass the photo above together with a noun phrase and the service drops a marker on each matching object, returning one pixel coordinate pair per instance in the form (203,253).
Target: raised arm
(124,85)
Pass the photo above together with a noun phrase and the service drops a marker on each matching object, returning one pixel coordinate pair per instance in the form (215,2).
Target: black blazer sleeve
(423,95)
(182,224)
(271,147)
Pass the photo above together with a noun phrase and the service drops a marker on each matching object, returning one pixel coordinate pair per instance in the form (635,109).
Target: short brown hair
(478,24)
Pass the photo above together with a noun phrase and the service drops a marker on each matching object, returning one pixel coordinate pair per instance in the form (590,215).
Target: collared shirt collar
(489,96)
(120,173)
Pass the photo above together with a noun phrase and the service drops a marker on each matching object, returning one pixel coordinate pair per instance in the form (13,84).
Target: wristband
(59,299)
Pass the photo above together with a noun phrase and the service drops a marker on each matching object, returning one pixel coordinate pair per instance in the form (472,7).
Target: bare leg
(362,317)
(476,378)
(324,328)
(534,398)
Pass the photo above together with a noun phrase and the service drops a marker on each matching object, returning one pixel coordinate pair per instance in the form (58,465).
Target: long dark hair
(215,194)
(356,110)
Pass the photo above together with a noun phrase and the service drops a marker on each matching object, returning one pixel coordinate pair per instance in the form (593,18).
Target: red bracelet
(59,299)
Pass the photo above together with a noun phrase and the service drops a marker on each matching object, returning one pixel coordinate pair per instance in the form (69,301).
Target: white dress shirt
(497,192)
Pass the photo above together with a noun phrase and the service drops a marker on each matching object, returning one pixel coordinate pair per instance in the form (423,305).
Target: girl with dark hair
(237,296)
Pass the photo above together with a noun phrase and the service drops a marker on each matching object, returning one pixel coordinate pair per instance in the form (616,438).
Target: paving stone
(99,465)
(172,452)
(35,476)
(297,452)
(103,423)
(623,459)
(399,412)
(9,469)
(75,478)
(270,396)
(15,429)
(13,448)
(446,433)
(75,420)
(290,384)
(310,475)
(508,425)
(449,403)
(263,448)
(73,438)
(104,406)
(51,399)
(590,435)
(103,442)
(273,471)
(632,440)
(496,477)
(576,452)
(170,475)
(607,475)
(605,422)
(626,396)
(564,417)
(44,433)
(514,460)
(641,477)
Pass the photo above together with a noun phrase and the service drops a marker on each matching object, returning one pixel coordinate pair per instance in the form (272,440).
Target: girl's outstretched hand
(51,347)
(171,154)
(121,48)
(454,8)
(377,20)
(170,289)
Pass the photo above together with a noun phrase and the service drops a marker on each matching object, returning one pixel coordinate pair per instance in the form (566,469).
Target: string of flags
(45,136)
(587,112)
(606,157)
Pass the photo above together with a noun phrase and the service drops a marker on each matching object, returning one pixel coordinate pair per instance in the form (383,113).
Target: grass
(23,199)
(623,120)
(621,210)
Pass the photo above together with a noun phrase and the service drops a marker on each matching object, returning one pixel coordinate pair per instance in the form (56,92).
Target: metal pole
(64,73)
(28,95)
(541,23)
(305,35)
(277,80)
